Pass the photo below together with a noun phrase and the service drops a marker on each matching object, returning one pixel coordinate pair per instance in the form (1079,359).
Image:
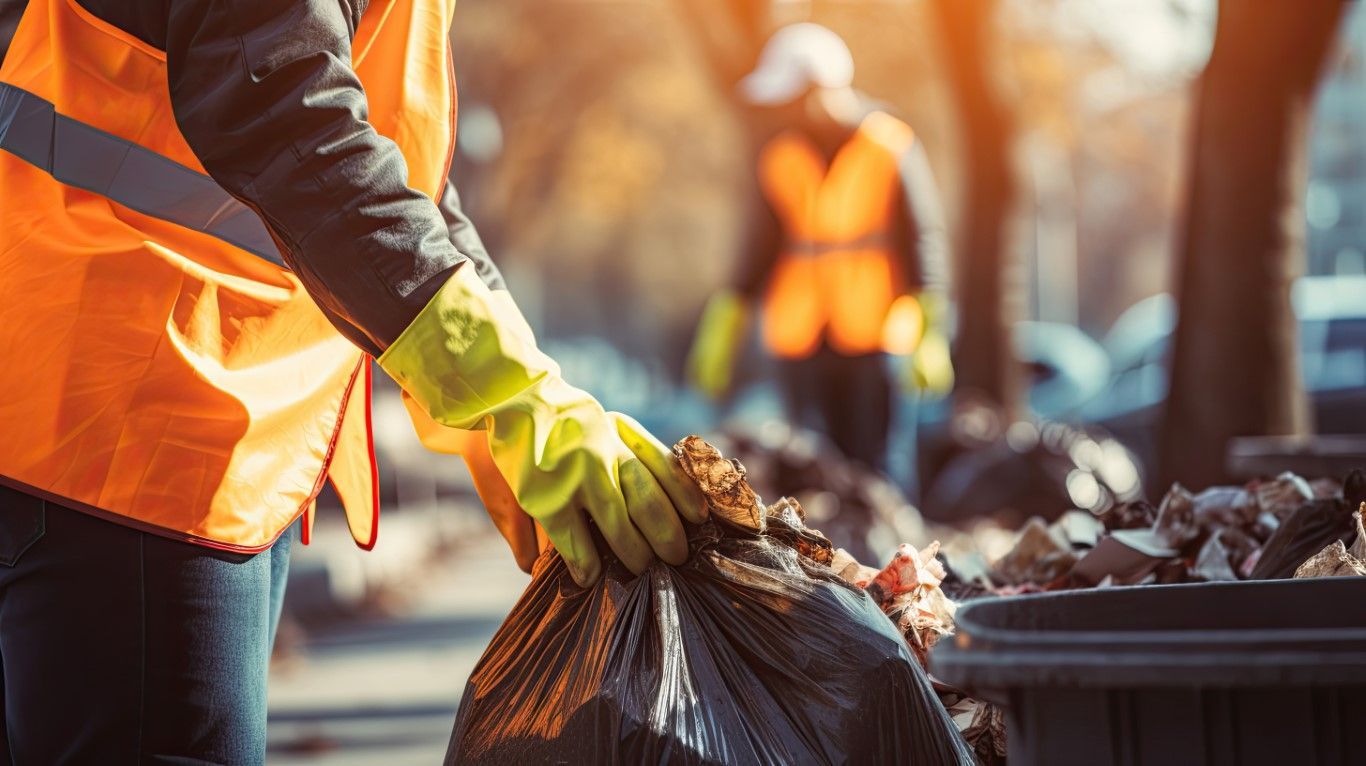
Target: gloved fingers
(608,508)
(916,377)
(652,512)
(696,369)
(706,384)
(683,492)
(711,360)
(568,532)
(714,376)
(933,366)
(706,378)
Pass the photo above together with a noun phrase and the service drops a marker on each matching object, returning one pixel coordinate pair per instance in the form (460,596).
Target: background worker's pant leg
(121,647)
(856,404)
(799,384)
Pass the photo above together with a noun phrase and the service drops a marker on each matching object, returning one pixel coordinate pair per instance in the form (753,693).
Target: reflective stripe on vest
(88,158)
(809,247)
(838,273)
(162,368)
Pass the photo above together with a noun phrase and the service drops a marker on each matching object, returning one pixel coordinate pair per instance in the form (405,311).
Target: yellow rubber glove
(912,329)
(720,333)
(931,367)
(470,361)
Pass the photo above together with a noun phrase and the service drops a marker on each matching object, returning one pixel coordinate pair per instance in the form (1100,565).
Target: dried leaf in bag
(729,496)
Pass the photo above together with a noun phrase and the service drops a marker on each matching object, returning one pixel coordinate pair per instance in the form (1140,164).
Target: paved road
(385,691)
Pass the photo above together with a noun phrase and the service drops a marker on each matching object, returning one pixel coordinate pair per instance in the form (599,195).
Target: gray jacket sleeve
(462,234)
(925,239)
(266,97)
(10,11)
(762,245)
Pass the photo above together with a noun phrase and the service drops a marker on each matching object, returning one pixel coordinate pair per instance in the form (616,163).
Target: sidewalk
(385,690)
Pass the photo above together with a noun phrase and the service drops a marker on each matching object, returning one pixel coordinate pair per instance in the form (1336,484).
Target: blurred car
(978,466)
(1332,316)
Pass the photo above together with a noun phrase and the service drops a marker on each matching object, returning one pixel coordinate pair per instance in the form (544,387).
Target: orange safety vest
(838,274)
(162,368)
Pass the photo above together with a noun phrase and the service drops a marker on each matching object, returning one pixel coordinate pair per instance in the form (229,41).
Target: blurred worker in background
(212,217)
(847,256)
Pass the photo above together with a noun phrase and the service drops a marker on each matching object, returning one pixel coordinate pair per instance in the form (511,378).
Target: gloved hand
(470,361)
(720,333)
(912,329)
(930,371)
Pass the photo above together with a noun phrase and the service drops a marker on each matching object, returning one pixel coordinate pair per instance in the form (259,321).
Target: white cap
(795,58)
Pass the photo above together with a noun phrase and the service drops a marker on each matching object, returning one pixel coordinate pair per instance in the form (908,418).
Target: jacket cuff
(467,352)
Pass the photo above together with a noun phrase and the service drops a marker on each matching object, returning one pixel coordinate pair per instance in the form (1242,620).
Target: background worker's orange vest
(161,367)
(838,274)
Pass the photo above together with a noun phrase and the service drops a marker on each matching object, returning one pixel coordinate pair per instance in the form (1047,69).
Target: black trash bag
(1311,528)
(747,654)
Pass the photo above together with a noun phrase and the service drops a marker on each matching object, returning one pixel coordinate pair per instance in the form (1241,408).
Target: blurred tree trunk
(729,34)
(983,357)
(1235,367)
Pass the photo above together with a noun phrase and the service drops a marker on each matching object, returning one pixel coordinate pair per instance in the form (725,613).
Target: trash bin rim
(981,671)
(1245,639)
(979,631)
(1160,697)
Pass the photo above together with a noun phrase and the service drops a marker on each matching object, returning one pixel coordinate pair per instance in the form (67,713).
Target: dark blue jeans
(121,647)
(847,398)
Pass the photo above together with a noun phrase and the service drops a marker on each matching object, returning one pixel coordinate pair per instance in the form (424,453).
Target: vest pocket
(21,524)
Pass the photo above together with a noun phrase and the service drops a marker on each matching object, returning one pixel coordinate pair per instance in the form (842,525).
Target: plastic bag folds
(750,653)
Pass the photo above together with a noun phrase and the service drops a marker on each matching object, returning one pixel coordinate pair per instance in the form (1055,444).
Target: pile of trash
(1263,530)
(1266,529)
